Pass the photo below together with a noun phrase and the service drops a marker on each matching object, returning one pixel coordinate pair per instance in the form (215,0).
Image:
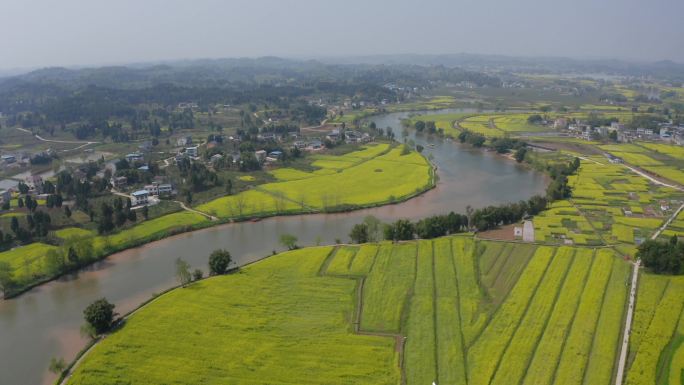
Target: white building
(184,141)
(192,151)
(165,189)
(35,184)
(140,197)
(528,231)
(261,155)
(152,189)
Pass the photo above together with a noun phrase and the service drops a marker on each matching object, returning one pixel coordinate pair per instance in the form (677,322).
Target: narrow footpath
(186,208)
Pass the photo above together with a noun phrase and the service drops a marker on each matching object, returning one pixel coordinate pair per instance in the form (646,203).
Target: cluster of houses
(349,136)
(158,188)
(33,182)
(666,132)
(155,190)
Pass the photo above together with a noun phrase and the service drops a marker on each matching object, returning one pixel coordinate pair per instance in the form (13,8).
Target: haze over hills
(240,69)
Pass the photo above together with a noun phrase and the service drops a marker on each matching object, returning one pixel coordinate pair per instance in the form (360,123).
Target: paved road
(667,223)
(652,179)
(628,326)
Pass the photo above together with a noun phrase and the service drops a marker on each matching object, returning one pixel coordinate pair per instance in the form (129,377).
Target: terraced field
(609,205)
(481,124)
(666,161)
(452,310)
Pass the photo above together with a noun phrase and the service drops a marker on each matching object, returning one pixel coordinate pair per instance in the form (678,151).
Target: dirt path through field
(81,144)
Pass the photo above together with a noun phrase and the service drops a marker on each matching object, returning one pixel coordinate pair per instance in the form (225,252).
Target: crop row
(549,348)
(577,347)
(516,358)
(644,369)
(607,336)
(483,355)
(420,347)
(387,287)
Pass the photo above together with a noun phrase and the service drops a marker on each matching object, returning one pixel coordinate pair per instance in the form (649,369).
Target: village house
(235,156)
(184,141)
(315,145)
(260,155)
(517,232)
(140,197)
(333,136)
(35,184)
(192,151)
(8,159)
(5,196)
(560,124)
(152,189)
(267,137)
(165,189)
(119,182)
(216,158)
(275,154)
(134,157)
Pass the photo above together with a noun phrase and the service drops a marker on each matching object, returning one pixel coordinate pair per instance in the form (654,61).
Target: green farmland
(453,310)
(388,176)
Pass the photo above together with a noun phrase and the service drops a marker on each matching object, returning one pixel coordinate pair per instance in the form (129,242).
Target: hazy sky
(37,33)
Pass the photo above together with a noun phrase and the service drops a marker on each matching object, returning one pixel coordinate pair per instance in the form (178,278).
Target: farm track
(80,143)
(622,363)
(399,338)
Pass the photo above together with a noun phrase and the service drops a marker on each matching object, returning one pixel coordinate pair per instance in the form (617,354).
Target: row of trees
(472,138)
(482,219)
(114,215)
(429,126)
(559,172)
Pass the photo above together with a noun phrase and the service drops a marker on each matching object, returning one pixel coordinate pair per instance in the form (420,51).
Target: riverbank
(465,177)
(380,175)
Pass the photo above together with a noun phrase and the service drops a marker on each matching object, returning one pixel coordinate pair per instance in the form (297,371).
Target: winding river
(45,322)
